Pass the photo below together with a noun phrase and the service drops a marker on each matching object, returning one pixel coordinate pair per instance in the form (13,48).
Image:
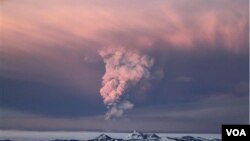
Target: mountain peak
(151,136)
(138,136)
(103,137)
(136,132)
(135,135)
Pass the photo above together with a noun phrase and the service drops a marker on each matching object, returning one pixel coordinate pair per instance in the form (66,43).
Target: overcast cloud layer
(51,69)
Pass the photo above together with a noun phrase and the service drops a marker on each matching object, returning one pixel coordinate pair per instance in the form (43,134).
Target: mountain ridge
(139,136)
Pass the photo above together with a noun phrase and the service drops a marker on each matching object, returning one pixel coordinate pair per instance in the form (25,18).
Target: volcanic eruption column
(124,70)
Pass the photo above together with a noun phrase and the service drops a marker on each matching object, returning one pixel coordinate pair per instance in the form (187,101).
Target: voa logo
(236,132)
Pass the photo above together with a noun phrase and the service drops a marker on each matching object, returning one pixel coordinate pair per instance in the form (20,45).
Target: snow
(135,135)
(102,136)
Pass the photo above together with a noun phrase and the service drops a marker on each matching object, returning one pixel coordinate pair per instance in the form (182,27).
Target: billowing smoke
(124,70)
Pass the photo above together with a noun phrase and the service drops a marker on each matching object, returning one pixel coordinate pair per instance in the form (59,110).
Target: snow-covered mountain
(152,136)
(98,136)
(190,138)
(139,136)
(135,135)
(104,137)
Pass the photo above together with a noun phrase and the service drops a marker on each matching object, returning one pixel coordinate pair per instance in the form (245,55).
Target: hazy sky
(51,68)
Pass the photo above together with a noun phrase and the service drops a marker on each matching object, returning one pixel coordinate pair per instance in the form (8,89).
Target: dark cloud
(49,100)
(212,72)
(196,117)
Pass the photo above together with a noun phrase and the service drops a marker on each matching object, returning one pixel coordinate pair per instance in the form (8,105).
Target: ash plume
(124,70)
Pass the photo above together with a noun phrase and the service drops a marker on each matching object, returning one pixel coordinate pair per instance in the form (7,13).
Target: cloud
(124,70)
(202,118)
(184,79)
(100,22)
(63,39)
